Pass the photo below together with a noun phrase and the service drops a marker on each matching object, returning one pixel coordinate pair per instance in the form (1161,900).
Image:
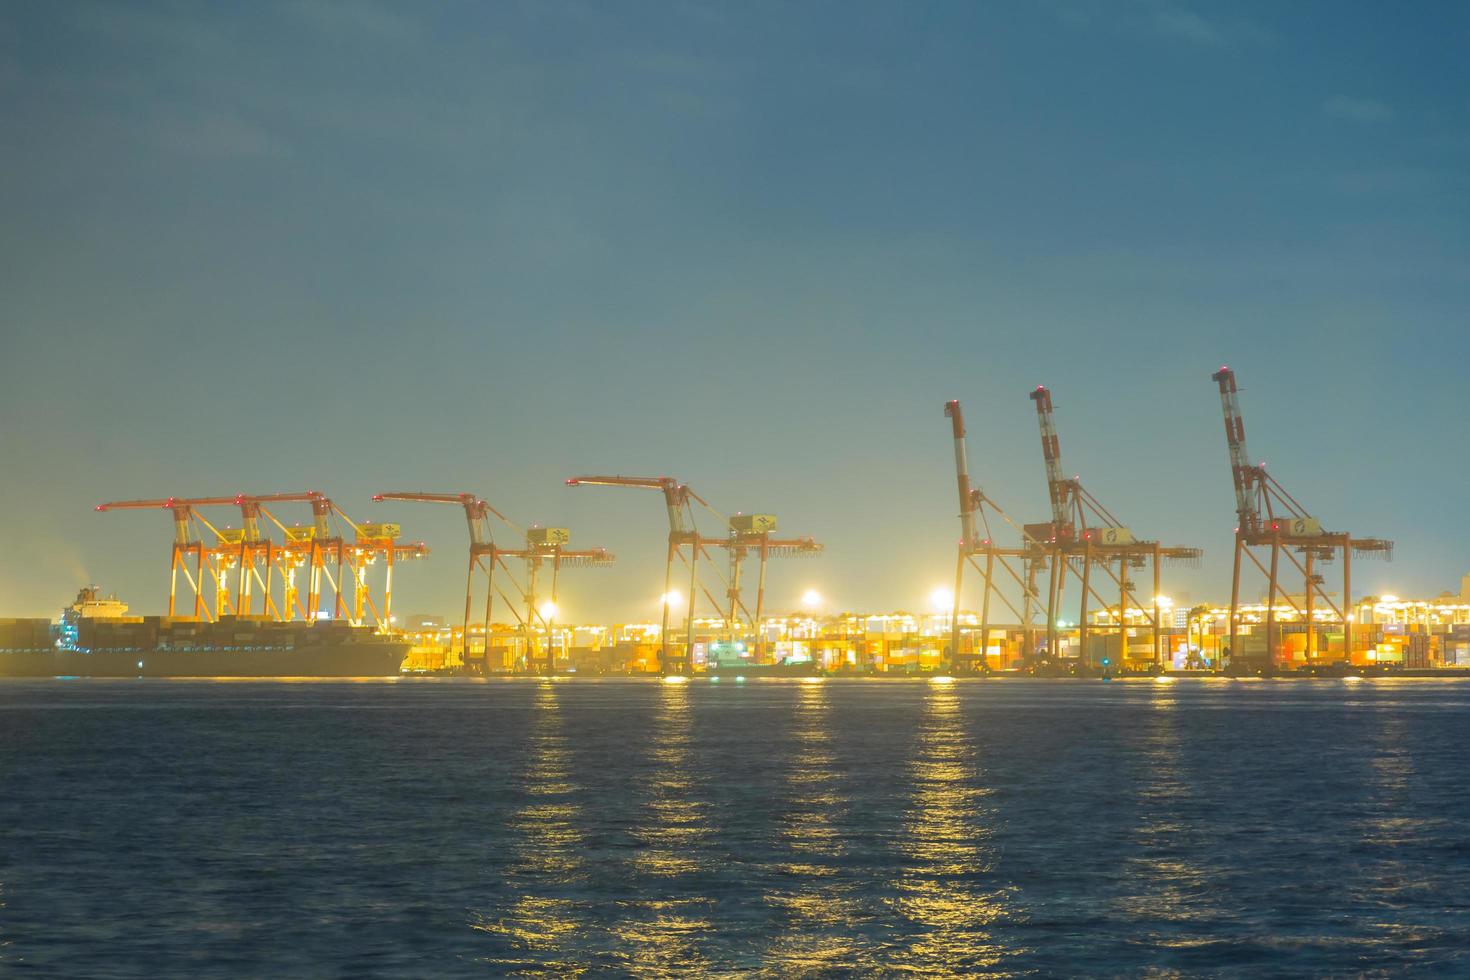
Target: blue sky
(360,247)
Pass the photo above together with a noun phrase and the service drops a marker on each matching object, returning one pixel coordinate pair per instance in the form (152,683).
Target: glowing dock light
(676,679)
(672,599)
(548,610)
(811,598)
(941,599)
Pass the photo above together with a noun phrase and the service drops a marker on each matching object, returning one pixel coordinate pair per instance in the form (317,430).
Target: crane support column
(985,613)
(954,614)
(1271,604)
(1311,644)
(1347,603)
(1158,623)
(664,661)
(1085,655)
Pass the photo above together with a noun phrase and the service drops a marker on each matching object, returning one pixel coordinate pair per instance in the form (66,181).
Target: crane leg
(954,616)
(551,620)
(1347,601)
(1271,606)
(1082,613)
(1158,658)
(1051,606)
(1234,609)
(1122,612)
(985,615)
(760,606)
(469,587)
(489,605)
(1311,645)
(687,663)
(663,633)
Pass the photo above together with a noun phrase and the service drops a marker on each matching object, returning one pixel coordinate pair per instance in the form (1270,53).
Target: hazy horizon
(370,247)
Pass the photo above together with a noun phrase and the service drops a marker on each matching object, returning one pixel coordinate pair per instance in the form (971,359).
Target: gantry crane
(186,543)
(1084,532)
(976,541)
(247,547)
(752,533)
(679,502)
(1269,516)
(243,548)
(318,548)
(542,545)
(477,512)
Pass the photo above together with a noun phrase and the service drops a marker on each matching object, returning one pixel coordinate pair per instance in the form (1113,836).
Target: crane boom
(1058,486)
(676,496)
(1242,472)
(968,503)
(169,503)
(476,509)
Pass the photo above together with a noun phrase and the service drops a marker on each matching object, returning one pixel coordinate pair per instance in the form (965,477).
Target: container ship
(96,638)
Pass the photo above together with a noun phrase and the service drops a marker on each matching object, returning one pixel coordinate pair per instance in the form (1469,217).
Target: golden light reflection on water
(1393,823)
(1159,882)
(547,849)
(943,891)
(817,910)
(661,935)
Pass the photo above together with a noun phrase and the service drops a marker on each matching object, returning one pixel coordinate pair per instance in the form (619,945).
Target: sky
(359,247)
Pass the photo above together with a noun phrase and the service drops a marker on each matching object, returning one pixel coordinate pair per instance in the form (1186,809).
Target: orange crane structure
(977,543)
(1083,535)
(543,545)
(187,544)
(1270,517)
(752,533)
(249,549)
(679,503)
(746,534)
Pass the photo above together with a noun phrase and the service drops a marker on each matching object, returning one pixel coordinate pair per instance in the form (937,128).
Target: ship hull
(330,660)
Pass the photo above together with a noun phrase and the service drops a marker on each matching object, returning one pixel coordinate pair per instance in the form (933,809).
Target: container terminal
(1079,593)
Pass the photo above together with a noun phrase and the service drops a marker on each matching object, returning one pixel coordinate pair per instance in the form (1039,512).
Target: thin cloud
(1401,180)
(143,28)
(1188,26)
(1358,110)
(361,17)
(221,135)
(1164,19)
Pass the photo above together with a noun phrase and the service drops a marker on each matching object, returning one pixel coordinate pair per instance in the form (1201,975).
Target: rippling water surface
(783,827)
